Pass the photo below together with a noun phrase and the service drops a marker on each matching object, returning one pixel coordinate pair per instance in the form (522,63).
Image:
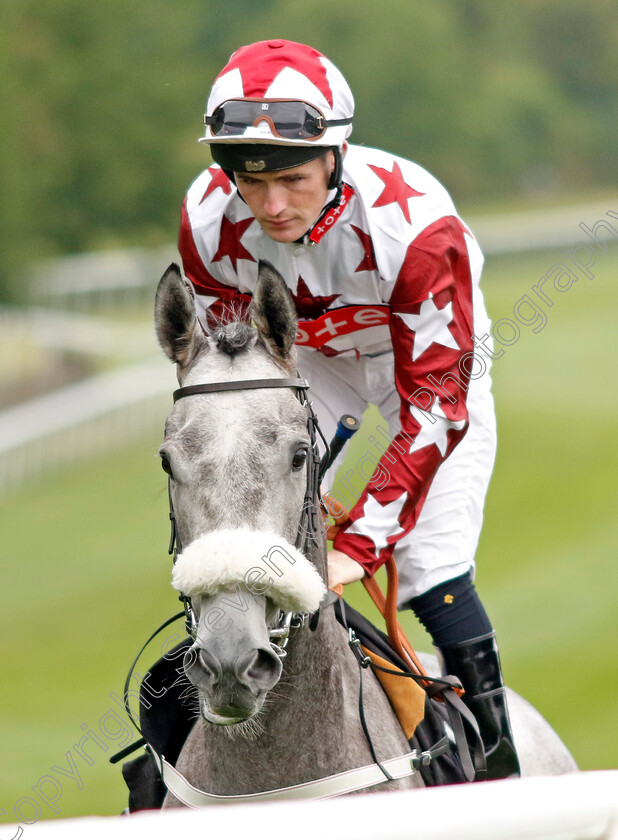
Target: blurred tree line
(103,103)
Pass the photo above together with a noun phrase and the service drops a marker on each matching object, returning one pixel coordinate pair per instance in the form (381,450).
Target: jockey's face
(287,203)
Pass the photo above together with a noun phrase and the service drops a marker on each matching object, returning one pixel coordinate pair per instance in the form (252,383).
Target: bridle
(307,535)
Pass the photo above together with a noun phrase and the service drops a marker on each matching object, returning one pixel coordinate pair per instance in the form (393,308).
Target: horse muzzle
(232,683)
(235,581)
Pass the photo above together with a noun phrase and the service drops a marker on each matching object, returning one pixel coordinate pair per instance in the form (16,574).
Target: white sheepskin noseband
(262,561)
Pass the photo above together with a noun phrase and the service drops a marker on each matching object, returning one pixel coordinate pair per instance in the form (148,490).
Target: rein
(446,689)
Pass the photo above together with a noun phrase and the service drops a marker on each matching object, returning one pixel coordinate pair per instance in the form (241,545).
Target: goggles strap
(326,123)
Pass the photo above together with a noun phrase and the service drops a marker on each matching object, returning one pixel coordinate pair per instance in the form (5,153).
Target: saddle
(434,720)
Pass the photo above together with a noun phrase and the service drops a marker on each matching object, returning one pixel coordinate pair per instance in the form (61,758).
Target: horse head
(239,465)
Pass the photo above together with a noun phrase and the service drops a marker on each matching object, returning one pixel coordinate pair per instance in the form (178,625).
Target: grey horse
(237,462)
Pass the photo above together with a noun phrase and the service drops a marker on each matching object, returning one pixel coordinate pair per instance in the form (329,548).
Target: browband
(239,385)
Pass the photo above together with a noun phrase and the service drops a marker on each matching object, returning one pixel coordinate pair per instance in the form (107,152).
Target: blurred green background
(512,106)
(103,102)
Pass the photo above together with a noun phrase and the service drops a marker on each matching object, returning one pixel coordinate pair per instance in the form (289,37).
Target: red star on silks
(368,263)
(229,241)
(261,63)
(218,179)
(308,305)
(395,189)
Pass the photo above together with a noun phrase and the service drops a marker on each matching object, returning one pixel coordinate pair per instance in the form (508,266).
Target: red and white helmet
(279,92)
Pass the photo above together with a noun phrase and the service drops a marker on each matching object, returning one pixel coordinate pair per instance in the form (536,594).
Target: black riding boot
(477,664)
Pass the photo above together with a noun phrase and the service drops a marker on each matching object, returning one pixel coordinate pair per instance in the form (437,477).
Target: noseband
(309,524)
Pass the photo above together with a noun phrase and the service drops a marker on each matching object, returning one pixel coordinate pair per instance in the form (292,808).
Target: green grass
(547,557)
(86,580)
(87,573)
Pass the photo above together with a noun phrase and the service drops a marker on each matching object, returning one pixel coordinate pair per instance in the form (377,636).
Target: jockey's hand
(342,569)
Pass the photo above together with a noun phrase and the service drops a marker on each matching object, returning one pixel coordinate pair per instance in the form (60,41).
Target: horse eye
(300,459)
(165,464)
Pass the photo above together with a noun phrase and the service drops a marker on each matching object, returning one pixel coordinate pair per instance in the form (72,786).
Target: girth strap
(336,785)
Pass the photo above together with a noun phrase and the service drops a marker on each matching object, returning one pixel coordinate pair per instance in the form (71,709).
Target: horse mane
(231,330)
(234,337)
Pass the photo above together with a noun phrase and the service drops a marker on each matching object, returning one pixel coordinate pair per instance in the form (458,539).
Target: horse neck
(319,682)
(310,720)
(309,725)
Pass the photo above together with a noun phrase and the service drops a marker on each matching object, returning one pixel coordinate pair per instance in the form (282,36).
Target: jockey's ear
(273,312)
(175,321)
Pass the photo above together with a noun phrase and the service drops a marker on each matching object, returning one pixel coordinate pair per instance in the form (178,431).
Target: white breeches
(443,543)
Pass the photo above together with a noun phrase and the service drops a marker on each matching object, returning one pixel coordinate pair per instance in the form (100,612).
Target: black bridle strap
(309,524)
(239,385)
(141,741)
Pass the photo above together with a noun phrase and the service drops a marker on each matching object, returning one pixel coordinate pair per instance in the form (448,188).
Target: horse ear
(272,310)
(175,319)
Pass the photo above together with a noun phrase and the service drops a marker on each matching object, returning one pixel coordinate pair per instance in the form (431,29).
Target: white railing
(582,806)
(115,408)
(85,281)
(544,228)
(101,278)
(83,420)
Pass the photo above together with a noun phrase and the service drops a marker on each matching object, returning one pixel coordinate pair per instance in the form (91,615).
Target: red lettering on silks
(330,328)
(332,215)
(342,321)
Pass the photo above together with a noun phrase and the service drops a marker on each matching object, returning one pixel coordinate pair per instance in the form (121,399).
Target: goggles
(289,119)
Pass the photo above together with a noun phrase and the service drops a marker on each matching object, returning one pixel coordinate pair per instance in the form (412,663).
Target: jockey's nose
(274,200)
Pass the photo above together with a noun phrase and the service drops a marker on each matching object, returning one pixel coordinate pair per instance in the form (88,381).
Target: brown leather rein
(386,604)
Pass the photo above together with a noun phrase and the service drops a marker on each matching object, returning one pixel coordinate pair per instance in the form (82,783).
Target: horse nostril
(262,668)
(201,663)
(209,663)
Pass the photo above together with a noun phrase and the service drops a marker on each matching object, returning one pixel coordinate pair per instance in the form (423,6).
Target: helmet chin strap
(230,175)
(334,202)
(336,177)
(335,183)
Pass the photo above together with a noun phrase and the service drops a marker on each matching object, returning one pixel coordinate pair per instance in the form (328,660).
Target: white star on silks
(377,521)
(433,432)
(430,326)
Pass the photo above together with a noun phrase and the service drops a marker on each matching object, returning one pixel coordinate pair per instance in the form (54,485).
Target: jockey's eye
(165,464)
(300,459)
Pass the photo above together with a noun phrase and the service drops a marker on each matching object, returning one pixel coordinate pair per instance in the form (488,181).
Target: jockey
(385,278)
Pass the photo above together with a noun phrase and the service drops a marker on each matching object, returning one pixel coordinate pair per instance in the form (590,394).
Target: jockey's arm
(431,328)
